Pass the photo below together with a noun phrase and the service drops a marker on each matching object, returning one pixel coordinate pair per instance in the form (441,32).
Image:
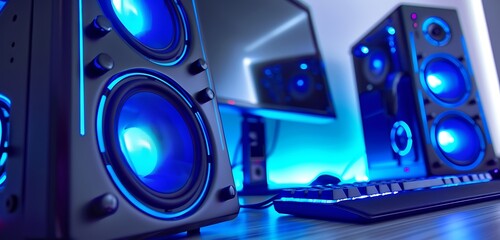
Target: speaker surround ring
(156,42)
(401,132)
(458,140)
(152,193)
(5,105)
(429,28)
(445,80)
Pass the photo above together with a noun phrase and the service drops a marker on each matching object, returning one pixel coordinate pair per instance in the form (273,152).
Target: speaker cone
(458,139)
(436,31)
(156,28)
(4,136)
(447,81)
(376,66)
(155,143)
(401,138)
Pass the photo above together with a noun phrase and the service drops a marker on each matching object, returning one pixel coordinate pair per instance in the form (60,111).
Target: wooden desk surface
(476,221)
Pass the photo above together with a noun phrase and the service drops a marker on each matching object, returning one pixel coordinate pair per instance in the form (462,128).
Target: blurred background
(300,151)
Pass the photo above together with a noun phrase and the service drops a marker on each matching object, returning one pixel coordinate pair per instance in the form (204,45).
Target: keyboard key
(425,183)
(352,192)
(383,188)
(465,179)
(395,187)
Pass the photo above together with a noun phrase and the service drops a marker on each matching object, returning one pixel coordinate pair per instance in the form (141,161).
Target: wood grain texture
(476,221)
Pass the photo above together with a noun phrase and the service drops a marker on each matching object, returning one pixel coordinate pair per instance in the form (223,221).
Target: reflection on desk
(476,221)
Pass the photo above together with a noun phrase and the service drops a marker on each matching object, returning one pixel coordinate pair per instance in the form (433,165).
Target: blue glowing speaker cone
(447,80)
(156,142)
(376,66)
(459,139)
(151,22)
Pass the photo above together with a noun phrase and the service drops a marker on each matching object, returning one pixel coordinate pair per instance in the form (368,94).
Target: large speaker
(108,124)
(419,103)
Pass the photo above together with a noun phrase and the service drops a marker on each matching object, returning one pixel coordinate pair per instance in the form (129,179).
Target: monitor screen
(264,58)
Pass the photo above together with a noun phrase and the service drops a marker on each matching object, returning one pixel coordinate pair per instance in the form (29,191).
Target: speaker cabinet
(108,124)
(419,103)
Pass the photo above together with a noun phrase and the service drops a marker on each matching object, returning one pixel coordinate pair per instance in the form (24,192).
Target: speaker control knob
(205,95)
(103,205)
(100,65)
(99,27)
(198,66)
(227,193)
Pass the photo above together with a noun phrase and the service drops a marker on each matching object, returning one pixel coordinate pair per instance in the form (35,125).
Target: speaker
(419,103)
(109,128)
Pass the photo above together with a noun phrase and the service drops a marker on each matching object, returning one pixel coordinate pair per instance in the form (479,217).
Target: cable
(262,205)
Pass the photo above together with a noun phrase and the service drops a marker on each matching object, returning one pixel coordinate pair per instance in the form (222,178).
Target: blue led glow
(140,149)
(100,111)
(300,83)
(3,178)
(82,67)
(401,135)
(391,30)
(428,36)
(364,49)
(446,79)
(458,140)
(154,213)
(3,159)
(303,66)
(151,22)
(413,52)
(377,65)
(2,4)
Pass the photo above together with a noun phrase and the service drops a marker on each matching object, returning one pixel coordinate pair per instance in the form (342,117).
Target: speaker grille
(156,28)
(4,136)
(155,143)
(458,139)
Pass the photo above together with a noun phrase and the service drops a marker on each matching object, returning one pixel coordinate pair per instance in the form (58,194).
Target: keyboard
(381,200)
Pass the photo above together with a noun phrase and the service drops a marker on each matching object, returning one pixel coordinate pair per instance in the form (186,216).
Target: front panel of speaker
(389,115)
(146,134)
(15,19)
(453,124)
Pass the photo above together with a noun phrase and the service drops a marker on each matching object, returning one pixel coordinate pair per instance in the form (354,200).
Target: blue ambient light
(459,139)
(152,22)
(156,142)
(447,80)
(303,66)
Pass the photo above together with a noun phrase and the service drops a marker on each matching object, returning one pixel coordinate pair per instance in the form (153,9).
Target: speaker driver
(155,143)
(458,139)
(156,28)
(446,79)
(4,136)
(436,31)
(376,66)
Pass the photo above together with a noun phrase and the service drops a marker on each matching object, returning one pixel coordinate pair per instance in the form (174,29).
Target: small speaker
(109,128)
(419,103)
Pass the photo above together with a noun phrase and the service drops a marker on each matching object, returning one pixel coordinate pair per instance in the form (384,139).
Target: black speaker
(108,124)
(419,103)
